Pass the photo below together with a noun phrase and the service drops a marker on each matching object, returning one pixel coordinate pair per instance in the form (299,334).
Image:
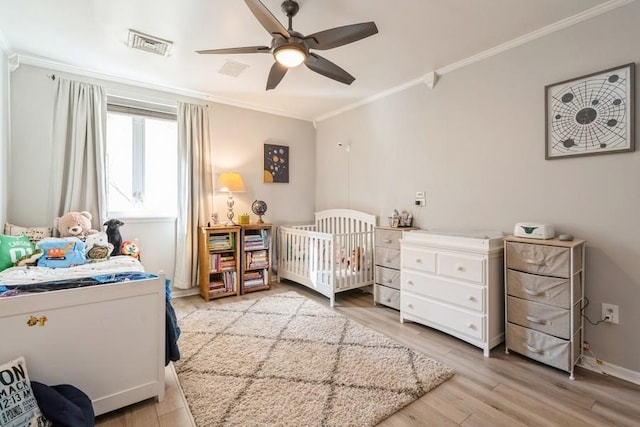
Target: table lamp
(230,182)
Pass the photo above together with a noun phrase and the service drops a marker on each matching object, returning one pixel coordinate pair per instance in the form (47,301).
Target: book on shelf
(219,242)
(256,241)
(254,278)
(220,262)
(257,259)
(223,282)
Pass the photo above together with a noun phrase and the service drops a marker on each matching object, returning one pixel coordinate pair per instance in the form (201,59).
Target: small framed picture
(591,114)
(395,222)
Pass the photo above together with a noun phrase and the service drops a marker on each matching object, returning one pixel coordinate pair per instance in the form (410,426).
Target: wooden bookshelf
(219,261)
(256,257)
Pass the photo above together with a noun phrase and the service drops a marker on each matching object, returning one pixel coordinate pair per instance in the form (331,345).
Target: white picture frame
(592,114)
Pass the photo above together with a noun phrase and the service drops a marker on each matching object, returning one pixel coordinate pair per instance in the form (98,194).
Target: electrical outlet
(421,199)
(610,313)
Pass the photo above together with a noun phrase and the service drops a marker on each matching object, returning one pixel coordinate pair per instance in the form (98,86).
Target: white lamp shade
(230,182)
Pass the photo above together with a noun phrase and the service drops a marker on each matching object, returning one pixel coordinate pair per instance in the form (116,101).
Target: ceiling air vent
(138,40)
(232,68)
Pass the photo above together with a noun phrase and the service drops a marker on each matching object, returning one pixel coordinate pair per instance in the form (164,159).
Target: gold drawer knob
(40,321)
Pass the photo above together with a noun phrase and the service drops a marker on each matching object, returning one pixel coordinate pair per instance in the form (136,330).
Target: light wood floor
(503,390)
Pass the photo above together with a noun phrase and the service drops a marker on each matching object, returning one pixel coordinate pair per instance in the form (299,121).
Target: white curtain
(78,170)
(195,189)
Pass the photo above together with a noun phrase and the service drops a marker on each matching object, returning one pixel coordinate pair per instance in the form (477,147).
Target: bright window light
(142,153)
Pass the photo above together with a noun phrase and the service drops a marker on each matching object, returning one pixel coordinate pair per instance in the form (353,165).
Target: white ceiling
(415,38)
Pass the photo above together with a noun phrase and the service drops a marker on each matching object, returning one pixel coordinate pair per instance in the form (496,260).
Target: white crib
(333,255)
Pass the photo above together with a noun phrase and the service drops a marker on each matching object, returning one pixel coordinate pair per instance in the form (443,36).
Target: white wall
(237,137)
(475,144)
(4,134)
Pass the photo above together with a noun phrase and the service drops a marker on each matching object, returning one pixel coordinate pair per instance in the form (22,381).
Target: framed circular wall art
(592,114)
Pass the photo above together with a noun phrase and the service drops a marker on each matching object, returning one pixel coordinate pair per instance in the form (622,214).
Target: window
(142,161)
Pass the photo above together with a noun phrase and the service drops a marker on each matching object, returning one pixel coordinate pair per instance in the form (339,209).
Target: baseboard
(607,368)
(177,293)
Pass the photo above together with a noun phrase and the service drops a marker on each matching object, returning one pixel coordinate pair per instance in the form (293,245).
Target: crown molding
(534,35)
(57,66)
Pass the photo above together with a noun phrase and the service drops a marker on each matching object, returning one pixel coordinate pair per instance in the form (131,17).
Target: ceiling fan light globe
(290,56)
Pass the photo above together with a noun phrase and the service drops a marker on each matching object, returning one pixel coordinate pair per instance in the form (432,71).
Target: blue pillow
(61,252)
(64,405)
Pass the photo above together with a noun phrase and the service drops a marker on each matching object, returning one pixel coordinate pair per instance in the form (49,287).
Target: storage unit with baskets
(544,296)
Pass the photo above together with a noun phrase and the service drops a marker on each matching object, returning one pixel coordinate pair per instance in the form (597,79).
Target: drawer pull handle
(388,300)
(388,281)
(471,298)
(387,260)
(410,305)
(471,325)
(460,268)
(536,320)
(534,293)
(418,261)
(534,262)
(387,240)
(535,350)
(40,321)
(409,282)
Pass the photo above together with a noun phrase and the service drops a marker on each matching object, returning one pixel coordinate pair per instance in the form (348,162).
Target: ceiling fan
(291,48)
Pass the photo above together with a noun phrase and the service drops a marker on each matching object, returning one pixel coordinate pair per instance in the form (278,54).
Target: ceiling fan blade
(328,69)
(340,36)
(275,75)
(266,18)
(247,49)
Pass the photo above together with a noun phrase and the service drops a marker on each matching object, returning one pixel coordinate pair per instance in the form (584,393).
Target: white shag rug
(284,360)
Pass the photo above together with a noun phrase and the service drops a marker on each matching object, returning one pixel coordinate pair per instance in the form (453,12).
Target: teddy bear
(75,224)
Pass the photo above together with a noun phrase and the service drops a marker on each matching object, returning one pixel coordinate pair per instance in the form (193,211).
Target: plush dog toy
(113,235)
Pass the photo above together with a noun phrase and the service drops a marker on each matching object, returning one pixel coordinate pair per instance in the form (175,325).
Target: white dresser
(454,283)
(544,294)
(386,288)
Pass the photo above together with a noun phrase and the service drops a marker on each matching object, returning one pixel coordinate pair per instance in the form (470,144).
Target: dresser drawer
(461,267)
(388,277)
(542,347)
(388,238)
(539,259)
(419,259)
(460,321)
(388,257)
(388,296)
(442,289)
(541,317)
(547,290)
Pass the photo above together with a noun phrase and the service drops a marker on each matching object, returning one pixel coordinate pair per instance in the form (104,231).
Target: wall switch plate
(612,311)
(421,199)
